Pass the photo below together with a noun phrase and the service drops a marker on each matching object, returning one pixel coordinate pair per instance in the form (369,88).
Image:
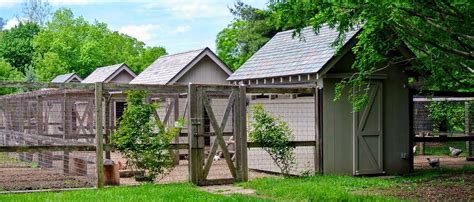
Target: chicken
(217,156)
(455,152)
(414,149)
(434,163)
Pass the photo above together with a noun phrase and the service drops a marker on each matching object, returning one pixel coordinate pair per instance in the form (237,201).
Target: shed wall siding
(337,131)
(338,123)
(122,77)
(205,72)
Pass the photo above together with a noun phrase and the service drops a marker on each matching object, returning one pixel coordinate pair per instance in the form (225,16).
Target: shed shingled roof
(64,78)
(286,55)
(166,67)
(101,74)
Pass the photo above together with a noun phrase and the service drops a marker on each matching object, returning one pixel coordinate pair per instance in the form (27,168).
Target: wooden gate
(368,134)
(200,103)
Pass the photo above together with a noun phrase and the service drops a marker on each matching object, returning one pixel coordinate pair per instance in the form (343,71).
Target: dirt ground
(219,170)
(420,162)
(450,186)
(27,178)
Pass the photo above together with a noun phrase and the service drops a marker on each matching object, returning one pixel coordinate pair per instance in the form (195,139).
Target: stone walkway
(227,190)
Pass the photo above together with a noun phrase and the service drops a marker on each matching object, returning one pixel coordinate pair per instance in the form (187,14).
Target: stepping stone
(228,190)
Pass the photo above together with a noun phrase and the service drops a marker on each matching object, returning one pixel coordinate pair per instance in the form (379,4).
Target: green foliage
(447,116)
(275,136)
(440,34)
(252,28)
(8,73)
(16,45)
(142,139)
(71,44)
(148,56)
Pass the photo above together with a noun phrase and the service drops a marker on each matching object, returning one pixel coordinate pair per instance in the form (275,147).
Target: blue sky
(177,25)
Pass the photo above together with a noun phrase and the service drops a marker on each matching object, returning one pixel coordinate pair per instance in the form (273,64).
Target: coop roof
(286,55)
(169,68)
(66,78)
(107,73)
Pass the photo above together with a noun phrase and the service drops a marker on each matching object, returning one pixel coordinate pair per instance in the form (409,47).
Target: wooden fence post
(242,140)
(195,134)
(318,160)
(176,118)
(67,122)
(467,130)
(99,134)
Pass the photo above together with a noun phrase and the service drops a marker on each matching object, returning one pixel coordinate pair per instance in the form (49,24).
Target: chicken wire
(172,108)
(299,114)
(47,117)
(441,116)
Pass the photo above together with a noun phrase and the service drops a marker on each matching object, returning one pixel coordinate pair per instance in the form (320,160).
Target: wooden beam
(242,141)
(304,89)
(23,84)
(348,75)
(99,134)
(292,143)
(43,148)
(442,93)
(444,139)
(318,160)
(468,127)
(195,129)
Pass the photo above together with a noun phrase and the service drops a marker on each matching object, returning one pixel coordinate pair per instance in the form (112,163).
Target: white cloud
(189,9)
(145,32)
(181,29)
(9,3)
(12,23)
(80,2)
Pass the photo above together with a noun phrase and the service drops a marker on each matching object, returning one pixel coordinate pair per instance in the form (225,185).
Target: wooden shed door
(368,134)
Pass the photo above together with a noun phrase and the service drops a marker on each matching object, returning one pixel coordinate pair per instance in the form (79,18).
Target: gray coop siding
(205,72)
(122,77)
(338,123)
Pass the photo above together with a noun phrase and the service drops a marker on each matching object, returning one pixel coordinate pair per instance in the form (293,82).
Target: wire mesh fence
(298,112)
(46,118)
(442,126)
(51,135)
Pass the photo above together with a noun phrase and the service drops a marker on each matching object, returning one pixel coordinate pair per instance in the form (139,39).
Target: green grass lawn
(148,192)
(313,188)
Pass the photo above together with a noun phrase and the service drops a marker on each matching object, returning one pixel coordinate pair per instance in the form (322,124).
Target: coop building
(374,140)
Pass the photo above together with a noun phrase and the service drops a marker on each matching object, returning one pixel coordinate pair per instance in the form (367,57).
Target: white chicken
(455,152)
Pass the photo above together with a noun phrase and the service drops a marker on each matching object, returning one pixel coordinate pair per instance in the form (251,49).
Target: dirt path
(227,190)
(420,162)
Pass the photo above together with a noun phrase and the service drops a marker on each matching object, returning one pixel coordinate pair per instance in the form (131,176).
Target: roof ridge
(195,50)
(108,66)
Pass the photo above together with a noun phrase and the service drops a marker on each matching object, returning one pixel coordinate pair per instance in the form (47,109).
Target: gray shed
(196,66)
(118,73)
(67,78)
(200,66)
(373,141)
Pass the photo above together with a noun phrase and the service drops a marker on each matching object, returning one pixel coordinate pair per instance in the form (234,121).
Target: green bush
(447,116)
(143,139)
(274,136)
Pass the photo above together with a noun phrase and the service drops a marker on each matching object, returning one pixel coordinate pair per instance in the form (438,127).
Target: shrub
(274,136)
(143,139)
